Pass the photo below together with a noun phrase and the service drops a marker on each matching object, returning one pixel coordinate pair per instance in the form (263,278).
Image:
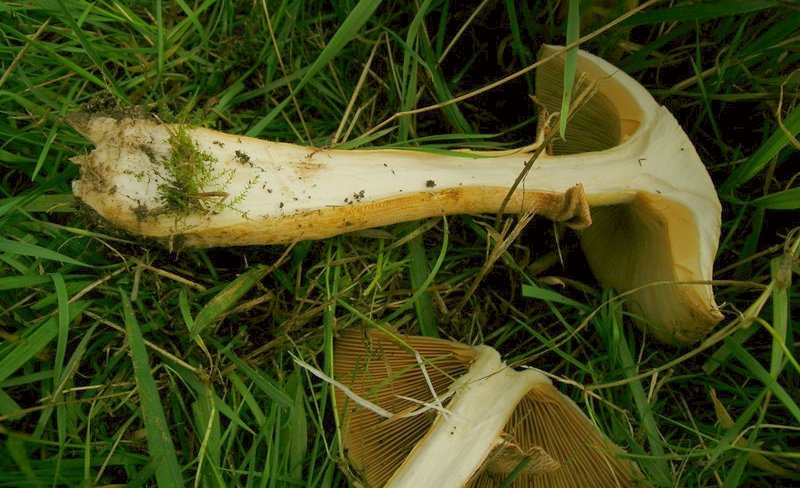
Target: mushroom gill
(459,417)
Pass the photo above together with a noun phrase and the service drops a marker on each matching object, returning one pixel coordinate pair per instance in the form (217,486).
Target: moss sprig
(192,183)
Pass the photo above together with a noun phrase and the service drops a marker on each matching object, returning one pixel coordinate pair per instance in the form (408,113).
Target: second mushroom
(419,411)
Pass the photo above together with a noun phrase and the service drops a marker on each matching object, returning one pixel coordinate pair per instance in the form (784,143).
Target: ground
(123,361)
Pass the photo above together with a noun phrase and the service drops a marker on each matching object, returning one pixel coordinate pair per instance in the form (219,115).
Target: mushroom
(456,416)
(655,213)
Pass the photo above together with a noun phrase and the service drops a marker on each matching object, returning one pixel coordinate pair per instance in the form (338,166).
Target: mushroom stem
(277,193)
(485,398)
(624,156)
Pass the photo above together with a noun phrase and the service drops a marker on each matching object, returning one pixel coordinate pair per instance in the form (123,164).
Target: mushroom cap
(658,246)
(461,417)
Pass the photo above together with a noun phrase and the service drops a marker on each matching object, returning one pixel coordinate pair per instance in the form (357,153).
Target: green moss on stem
(193,184)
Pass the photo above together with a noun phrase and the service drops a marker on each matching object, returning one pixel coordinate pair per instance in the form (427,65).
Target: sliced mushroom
(461,417)
(656,214)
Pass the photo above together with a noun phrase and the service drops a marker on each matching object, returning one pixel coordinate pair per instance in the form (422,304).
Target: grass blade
(758,371)
(25,281)
(782,200)
(348,30)
(539,293)
(262,382)
(655,467)
(780,311)
(14,355)
(571,62)
(228,297)
(423,287)
(27,249)
(159,440)
(63,325)
(700,11)
(418,271)
(762,157)
(98,60)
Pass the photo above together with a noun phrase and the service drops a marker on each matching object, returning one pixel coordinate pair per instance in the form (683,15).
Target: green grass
(122,362)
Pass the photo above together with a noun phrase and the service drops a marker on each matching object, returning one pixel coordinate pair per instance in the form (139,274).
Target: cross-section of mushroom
(458,416)
(656,214)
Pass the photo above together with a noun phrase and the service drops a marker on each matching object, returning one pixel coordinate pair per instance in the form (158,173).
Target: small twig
(460,32)
(428,406)
(422,367)
(22,52)
(354,96)
(283,69)
(503,240)
(171,276)
(347,391)
(583,92)
(792,139)
(149,344)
